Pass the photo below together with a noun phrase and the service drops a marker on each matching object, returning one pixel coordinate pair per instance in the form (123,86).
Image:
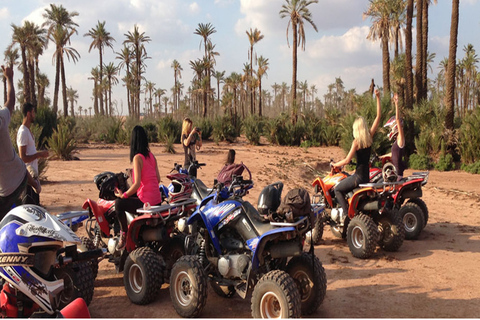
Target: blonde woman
(361,148)
(191,139)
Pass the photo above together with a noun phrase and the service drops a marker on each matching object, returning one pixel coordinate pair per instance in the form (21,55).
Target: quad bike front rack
(167,210)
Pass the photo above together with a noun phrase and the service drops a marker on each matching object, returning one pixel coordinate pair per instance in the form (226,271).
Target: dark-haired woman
(145,178)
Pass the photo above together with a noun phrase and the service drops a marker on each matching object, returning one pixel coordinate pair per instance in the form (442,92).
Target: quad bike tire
(87,245)
(362,236)
(78,283)
(422,206)
(188,286)
(311,280)
(338,232)
(171,252)
(413,220)
(222,291)
(392,230)
(276,296)
(315,235)
(143,275)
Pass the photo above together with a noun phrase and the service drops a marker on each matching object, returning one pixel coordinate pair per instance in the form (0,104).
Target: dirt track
(435,276)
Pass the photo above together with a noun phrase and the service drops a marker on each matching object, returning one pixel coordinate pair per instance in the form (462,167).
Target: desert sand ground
(436,276)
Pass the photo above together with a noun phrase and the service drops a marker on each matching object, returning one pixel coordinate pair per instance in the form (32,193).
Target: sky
(338,49)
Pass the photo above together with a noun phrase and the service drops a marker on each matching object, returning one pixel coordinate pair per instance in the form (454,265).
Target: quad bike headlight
(182,223)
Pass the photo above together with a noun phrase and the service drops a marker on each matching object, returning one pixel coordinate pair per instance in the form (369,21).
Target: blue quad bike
(234,248)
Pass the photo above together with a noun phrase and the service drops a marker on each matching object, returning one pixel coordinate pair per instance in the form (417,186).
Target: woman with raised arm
(145,178)
(398,147)
(361,148)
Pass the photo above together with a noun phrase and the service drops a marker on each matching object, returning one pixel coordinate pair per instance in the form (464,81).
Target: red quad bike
(153,243)
(372,219)
(412,209)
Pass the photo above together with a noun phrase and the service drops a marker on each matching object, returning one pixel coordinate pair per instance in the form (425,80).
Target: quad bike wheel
(311,280)
(171,252)
(422,206)
(276,296)
(143,275)
(222,291)
(362,235)
(78,283)
(413,220)
(391,229)
(315,235)
(87,245)
(188,286)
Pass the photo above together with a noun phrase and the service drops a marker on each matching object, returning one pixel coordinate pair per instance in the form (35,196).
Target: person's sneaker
(122,242)
(341,216)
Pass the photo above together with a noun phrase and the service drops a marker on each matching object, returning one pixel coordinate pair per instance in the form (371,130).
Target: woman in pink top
(145,177)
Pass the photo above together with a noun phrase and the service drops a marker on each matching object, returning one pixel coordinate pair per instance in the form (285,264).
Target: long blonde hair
(361,133)
(186,126)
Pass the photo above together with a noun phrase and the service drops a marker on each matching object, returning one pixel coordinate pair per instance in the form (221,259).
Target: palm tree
(408,60)
(451,67)
(398,20)
(149,87)
(20,37)
(165,102)
(42,83)
(159,93)
(297,12)
(125,56)
(233,82)
(254,36)
(57,18)
(262,70)
(220,76)
(313,90)
(380,12)
(137,40)
(72,96)
(303,87)
(35,45)
(11,57)
(205,31)
(96,80)
(100,39)
(111,73)
(177,73)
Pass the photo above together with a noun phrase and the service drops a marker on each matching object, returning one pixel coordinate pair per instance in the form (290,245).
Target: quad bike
(236,250)
(371,219)
(153,243)
(41,267)
(412,209)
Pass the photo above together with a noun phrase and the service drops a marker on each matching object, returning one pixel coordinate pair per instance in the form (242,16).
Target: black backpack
(107,182)
(296,203)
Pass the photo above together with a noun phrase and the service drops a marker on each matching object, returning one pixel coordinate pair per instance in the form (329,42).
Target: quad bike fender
(98,211)
(257,245)
(410,189)
(354,201)
(77,309)
(199,216)
(326,194)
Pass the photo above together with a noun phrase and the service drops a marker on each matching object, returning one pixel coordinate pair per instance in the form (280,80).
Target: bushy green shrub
(169,141)
(472,168)
(253,126)
(420,162)
(62,144)
(112,128)
(469,138)
(151,130)
(206,126)
(47,119)
(224,129)
(167,128)
(281,131)
(445,163)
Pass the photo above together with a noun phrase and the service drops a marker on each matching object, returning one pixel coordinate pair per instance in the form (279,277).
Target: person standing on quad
(361,148)
(396,133)
(13,173)
(28,151)
(191,139)
(146,178)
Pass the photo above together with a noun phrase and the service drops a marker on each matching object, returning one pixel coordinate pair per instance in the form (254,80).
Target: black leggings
(129,204)
(345,186)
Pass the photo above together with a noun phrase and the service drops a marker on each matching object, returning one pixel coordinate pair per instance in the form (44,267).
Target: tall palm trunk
(408,57)
(26,79)
(31,76)
(386,64)
(64,88)
(451,67)
(425,49)
(57,83)
(100,93)
(260,97)
(294,74)
(419,60)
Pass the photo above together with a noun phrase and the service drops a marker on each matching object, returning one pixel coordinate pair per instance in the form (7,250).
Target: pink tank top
(149,190)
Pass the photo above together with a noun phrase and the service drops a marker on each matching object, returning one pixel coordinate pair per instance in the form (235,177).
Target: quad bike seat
(260,224)
(202,189)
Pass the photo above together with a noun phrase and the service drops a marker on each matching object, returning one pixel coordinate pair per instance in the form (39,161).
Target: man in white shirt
(28,151)
(13,174)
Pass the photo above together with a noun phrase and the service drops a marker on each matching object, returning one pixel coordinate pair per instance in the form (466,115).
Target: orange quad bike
(372,218)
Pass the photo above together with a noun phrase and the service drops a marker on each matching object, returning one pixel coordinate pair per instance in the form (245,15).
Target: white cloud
(4,14)
(194,8)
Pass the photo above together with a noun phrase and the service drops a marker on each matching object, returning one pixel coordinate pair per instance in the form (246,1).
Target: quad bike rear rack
(386,187)
(167,210)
